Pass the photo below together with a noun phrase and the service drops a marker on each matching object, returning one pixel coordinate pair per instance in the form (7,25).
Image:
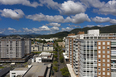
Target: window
(103,69)
(108,69)
(99,69)
(108,56)
(99,51)
(99,56)
(103,73)
(103,51)
(108,60)
(99,47)
(103,47)
(103,56)
(108,73)
(99,60)
(108,52)
(99,43)
(108,43)
(103,64)
(99,73)
(108,47)
(103,60)
(99,64)
(103,43)
(108,65)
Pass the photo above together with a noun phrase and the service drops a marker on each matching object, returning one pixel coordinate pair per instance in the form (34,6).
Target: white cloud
(113,21)
(23,2)
(14,14)
(55,28)
(44,28)
(50,3)
(27,30)
(102,7)
(93,3)
(33,30)
(54,24)
(78,18)
(71,7)
(107,8)
(67,29)
(100,25)
(11,28)
(100,19)
(42,17)
(90,26)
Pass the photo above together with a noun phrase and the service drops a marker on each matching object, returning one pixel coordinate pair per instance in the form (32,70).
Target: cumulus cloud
(54,24)
(107,8)
(11,28)
(55,28)
(71,7)
(78,18)
(113,21)
(100,19)
(27,30)
(44,28)
(102,7)
(23,2)
(14,14)
(50,4)
(67,29)
(93,3)
(90,26)
(33,30)
(42,17)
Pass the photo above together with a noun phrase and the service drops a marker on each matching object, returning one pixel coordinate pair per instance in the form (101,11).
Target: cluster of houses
(42,47)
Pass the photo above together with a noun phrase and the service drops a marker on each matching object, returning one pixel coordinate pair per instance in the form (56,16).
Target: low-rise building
(42,47)
(61,44)
(33,70)
(18,72)
(48,47)
(43,57)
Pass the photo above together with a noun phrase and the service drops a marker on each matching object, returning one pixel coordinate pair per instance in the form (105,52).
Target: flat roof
(20,69)
(37,69)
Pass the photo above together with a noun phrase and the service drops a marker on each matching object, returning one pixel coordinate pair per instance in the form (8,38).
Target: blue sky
(52,16)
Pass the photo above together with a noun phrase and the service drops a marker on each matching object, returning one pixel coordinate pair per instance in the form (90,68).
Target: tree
(61,59)
(65,72)
(55,63)
(55,68)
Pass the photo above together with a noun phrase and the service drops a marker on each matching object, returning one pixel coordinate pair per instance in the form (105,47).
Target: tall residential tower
(92,54)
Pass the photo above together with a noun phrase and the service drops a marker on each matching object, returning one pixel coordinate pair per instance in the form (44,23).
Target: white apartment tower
(92,54)
(14,47)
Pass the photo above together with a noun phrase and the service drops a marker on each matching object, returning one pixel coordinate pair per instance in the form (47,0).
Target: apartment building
(92,54)
(14,47)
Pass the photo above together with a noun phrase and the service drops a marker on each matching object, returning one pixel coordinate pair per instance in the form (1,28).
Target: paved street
(61,65)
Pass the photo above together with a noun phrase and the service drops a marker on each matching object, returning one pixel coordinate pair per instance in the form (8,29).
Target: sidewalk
(71,70)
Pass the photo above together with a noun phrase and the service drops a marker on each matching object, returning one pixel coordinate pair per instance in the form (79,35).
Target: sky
(52,16)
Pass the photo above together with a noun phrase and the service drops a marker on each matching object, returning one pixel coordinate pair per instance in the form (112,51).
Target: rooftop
(37,69)
(20,69)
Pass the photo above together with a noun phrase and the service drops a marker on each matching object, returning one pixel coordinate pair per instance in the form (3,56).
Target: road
(60,66)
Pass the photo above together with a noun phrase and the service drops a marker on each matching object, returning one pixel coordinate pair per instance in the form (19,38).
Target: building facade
(92,54)
(14,47)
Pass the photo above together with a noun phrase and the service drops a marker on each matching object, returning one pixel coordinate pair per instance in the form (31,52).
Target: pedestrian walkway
(71,70)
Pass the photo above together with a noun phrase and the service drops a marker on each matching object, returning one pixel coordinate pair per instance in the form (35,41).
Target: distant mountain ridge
(106,29)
